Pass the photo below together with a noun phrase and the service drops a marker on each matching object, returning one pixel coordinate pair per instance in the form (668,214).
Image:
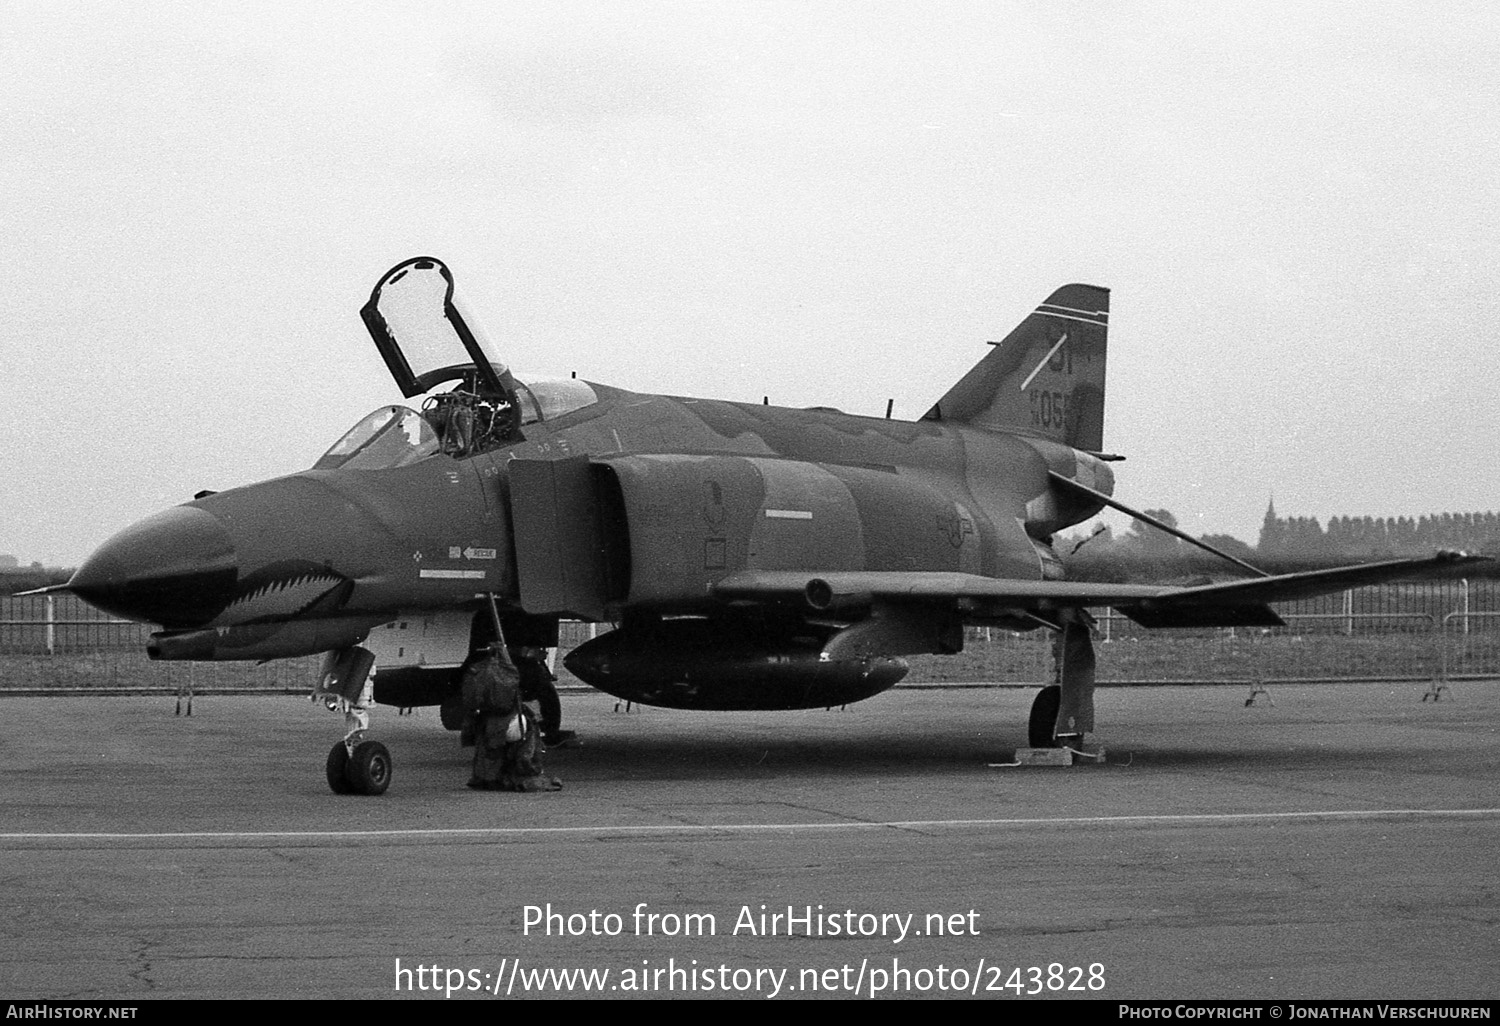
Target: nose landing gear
(355,765)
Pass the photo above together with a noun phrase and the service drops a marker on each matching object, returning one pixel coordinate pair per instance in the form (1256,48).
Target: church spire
(1272,531)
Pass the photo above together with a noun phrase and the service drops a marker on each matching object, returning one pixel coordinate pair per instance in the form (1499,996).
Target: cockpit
(457,423)
(547,399)
(428,340)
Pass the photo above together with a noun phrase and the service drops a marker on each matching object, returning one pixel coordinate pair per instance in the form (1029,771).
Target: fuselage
(691,490)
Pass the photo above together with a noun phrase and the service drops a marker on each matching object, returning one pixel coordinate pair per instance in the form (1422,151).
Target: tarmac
(1340,843)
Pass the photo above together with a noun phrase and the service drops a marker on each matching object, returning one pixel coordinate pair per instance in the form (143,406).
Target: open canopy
(422,331)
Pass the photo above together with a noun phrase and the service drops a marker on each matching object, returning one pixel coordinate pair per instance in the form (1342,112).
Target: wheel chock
(1043,757)
(1052,757)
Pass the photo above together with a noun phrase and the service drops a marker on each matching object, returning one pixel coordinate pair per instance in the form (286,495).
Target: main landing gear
(1063,712)
(355,765)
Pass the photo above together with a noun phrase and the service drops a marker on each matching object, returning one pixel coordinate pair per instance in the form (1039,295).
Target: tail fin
(1046,378)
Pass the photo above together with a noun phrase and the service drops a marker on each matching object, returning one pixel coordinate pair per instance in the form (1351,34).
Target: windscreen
(392,436)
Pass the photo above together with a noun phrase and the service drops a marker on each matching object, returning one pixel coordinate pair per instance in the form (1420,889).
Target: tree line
(1374,537)
(1285,545)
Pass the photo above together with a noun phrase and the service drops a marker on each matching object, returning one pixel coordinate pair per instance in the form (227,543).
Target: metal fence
(1435,631)
(64,625)
(1471,646)
(61,642)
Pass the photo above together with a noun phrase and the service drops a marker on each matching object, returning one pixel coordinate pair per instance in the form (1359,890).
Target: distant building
(9,563)
(1270,532)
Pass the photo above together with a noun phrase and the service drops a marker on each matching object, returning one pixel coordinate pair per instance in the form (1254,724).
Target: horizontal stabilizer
(1068,484)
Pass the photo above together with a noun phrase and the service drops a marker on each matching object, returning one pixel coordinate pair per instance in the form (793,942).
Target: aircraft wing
(1244,603)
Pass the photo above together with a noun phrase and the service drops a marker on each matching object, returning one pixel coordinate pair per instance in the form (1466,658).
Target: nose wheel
(359,767)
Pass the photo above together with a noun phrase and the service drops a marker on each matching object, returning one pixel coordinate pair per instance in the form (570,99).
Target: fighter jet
(745,556)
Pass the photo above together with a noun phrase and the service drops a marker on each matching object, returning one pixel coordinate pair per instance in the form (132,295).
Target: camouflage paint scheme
(752,556)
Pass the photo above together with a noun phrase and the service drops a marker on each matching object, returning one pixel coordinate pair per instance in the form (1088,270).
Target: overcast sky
(1295,206)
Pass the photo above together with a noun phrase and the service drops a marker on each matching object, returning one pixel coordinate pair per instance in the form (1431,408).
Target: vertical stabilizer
(1046,378)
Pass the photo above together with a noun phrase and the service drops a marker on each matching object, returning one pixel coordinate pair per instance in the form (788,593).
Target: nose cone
(176,568)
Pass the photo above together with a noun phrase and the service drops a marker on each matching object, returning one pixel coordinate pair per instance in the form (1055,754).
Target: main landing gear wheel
(367,771)
(1043,722)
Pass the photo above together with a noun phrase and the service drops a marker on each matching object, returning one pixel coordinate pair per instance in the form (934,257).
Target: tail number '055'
(1048,409)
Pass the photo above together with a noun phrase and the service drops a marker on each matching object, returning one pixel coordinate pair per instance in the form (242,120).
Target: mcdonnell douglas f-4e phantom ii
(750,556)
